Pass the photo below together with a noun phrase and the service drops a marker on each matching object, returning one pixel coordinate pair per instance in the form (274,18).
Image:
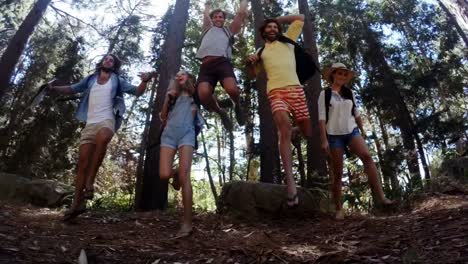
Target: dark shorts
(215,70)
(342,141)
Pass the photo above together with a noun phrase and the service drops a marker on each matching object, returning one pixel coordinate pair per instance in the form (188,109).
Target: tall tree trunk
(144,145)
(208,170)
(269,153)
(387,168)
(297,143)
(232,158)
(223,161)
(154,191)
(115,40)
(385,173)
(453,19)
(249,125)
(316,159)
(18,42)
(383,129)
(422,155)
(218,143)
(391,100)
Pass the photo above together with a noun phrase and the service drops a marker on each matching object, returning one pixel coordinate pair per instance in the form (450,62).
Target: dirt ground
(435,230)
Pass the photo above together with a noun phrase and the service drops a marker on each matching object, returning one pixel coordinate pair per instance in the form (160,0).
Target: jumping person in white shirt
(101,107)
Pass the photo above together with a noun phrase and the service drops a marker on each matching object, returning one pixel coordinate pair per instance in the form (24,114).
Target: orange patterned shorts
(290,99)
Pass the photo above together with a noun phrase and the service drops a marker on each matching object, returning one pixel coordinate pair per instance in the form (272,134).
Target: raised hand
(147,76)
(243,6)
(252,59)
(50,88)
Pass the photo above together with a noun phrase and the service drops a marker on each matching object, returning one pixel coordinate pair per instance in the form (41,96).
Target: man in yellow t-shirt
(284,90)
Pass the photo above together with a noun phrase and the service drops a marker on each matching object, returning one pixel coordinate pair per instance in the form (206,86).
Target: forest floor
(434,230)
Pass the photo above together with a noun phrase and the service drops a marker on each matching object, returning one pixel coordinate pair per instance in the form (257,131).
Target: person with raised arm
(284,90)
(215,53)
(101,107)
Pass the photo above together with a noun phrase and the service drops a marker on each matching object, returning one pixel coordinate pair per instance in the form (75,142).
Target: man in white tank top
(215,53)
(101,107)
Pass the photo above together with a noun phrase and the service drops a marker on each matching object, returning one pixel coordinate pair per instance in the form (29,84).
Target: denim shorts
(179,130)
(177,136)
(342,141)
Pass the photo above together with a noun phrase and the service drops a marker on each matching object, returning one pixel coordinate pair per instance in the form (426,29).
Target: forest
(411,86)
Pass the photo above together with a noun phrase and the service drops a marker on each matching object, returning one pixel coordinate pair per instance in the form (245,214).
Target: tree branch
(63,13)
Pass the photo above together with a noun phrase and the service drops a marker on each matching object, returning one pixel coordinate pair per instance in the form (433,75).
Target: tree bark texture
(457,16)
(153,190)
(391,100)
(316,159)
(17,44)
(208,170)
(269,153)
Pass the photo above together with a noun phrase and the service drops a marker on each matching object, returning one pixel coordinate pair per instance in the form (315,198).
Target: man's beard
(270,37)
(107,70)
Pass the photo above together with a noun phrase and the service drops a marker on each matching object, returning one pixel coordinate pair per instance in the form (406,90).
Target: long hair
(331,79)
(117,63)
(265,24)
(188,86)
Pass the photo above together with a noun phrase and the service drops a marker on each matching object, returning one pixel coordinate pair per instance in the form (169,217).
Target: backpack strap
(348,94)
(281,39)
(171,103)
(285,39)
(260,51)
(225,30)
(197,124)
(229,34)
(328,93)
(296,45)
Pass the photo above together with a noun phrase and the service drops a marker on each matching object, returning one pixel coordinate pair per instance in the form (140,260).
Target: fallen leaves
(422,235)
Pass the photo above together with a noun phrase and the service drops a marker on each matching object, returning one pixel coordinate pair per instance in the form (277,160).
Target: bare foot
(293,200)
(74,211)
(386,201)
(339,215)
(185,231)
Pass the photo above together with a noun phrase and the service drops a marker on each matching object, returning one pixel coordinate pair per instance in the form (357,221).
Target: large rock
(452,177)
(253,199)
(39,192)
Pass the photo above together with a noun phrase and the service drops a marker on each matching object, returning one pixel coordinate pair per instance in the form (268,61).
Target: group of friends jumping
(101,107)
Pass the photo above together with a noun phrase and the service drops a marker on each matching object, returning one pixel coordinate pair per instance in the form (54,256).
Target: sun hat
(327,72)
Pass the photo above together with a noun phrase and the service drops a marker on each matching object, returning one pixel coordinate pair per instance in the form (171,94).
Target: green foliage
(34,137)
(203,200)
(114,183)
(159,35)
(425,56)
(12,12)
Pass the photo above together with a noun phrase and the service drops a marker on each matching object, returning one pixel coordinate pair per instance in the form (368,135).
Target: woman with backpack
(339,120)
(179,116)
